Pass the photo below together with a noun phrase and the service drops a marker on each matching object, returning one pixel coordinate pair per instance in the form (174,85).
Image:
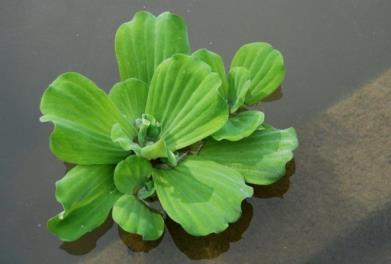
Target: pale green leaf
(240,126)
(87,194)
(201,195)
(144,42)
(184,97)
(155,150)
(119,136)
(83,116)
(130,97)
(133,216)
(131,174)
(266,66)
(131,177)
(260,158)
(215,61)
(239,84)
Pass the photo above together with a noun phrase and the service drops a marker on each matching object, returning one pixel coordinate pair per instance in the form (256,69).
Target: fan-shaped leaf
(215,61)
(202,196)
(266,66)
(185,99)
(239,83)
(260,158)
(133,216)
(87,194)
(131,174)
(130,97)
(240,126)
(119,136)
(83,116)
(144,42)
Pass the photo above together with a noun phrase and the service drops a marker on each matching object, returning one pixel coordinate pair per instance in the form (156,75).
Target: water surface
(333,206)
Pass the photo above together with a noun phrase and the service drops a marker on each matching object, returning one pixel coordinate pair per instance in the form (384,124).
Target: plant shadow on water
(195,248)
(279,188)
(275,96)
(87,242)
(207,247)
(135,242)
(213,245)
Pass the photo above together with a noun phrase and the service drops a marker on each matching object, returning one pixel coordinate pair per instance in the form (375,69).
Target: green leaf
(119,136)
(131,174)
(155,150)
(240,126)
(184,97)
(266,66)
(260,158)
(87,194)
(133,216)
(130,177)
(215,61)
(201,195)
(239,83)
(144,42)
(83,116)
(130,97)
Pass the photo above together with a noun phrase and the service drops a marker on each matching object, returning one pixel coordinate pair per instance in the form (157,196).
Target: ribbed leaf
(119,136)
(133,216)
(87,194)
(184,97)
(260,158)
(130,212)
(240,126)
(130,97)
(144,42)
(131,174)
(266,66)
(154,151)
(215,61)
(201,195)
(239,84)
(83,116)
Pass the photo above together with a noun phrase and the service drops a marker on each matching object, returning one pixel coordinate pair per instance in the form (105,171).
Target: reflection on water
(136,243)
(87,242)
(337,209)
(279,188)
(212,245)
(194,247)
(207,247)
(276,95)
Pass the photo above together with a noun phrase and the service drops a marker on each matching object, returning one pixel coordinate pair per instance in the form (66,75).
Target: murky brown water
(334,204)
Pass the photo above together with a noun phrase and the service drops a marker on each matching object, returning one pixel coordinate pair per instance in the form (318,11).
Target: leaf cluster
(174,130)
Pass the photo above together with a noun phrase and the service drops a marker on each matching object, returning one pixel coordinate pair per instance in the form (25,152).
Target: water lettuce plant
(175,129)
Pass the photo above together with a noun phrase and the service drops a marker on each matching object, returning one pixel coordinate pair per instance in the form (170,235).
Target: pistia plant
(175,130)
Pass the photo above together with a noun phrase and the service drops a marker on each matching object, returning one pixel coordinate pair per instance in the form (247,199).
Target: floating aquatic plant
(175,129)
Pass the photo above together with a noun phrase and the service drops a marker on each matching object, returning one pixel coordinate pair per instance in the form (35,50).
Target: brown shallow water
(334,204)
